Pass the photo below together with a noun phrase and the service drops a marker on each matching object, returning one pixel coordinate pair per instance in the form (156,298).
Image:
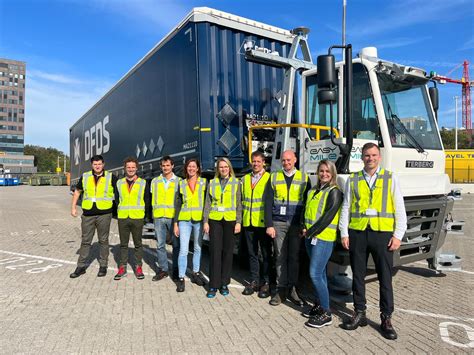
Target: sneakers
(314,311)
(102,271)
(122,272)
(139,272)
(320,320)
(198,278)
(78,272)
(160,276)
(180,285)
(224,290)
(250,288)
(211,293)
(387,329)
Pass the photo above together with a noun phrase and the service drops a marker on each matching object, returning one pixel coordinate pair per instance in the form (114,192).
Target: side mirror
(327,79)
(434,97)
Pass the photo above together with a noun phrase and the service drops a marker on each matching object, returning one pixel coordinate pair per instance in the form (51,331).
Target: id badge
(283,210)
(93,200)
(371,212)
(314,241)
(220,209)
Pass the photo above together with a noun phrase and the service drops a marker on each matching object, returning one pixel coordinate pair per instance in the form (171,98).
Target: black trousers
(126,227)
(361,244)
(260,272)
(221,250)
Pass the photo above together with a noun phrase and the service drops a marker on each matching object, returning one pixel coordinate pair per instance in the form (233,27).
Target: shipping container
(190,96)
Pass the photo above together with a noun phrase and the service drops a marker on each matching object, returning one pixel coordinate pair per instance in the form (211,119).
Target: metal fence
(460,170)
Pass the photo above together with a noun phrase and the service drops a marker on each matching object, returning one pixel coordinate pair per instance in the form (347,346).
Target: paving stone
(42,310)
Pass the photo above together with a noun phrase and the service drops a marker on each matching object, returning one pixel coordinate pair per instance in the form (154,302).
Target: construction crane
(466,91)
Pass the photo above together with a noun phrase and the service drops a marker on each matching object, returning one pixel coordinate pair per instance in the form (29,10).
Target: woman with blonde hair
(321,217)
(222,220)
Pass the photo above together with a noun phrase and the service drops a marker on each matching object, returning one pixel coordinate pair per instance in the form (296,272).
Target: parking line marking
(434,315)
(38,257)
(463,271)
(60,260)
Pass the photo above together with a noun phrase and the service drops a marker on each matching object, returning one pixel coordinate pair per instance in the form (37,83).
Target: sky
(76,50)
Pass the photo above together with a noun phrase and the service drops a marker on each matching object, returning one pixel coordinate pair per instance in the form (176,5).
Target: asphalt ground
(42,310)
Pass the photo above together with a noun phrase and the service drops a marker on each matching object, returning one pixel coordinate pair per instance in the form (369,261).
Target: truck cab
(378,101)
(391,106)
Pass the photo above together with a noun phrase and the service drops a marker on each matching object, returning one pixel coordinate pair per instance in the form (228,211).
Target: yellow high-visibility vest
(193,202)
(163,198)
(291,199)
(132,201)
(252,200)
(102,192)
(223,202)
(379,198)
(314,209)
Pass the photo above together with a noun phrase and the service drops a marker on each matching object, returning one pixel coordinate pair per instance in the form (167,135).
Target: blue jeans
(185,230)
(319,255)
(163,226)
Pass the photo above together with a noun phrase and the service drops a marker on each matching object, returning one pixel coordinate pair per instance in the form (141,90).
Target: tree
(46,159)
(464,140)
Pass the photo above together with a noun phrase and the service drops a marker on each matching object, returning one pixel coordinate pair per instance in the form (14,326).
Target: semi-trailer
(190,96)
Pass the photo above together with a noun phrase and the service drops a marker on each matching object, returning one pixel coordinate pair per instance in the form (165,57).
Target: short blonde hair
(227,161)
(332,169)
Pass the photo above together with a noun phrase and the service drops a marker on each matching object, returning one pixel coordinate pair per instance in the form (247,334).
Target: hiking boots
(358,319)
(250,288)
(387,329)
(78,272)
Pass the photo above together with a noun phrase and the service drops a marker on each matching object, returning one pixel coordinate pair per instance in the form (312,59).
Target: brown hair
(258,153)
(131,160)
(186,167)
(369,145)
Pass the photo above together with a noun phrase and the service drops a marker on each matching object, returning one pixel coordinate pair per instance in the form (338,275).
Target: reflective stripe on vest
(163,198)
(379,199)
(193,203)
(315,206)
(291,198)
(102,192)
(252,200)
(223,203)
(132,202)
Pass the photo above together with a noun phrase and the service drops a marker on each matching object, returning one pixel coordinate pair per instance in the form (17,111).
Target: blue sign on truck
(190,96)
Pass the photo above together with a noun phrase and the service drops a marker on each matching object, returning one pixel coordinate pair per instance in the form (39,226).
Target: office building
(12,118)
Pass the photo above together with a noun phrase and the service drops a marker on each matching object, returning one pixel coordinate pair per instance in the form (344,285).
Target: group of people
(275,212)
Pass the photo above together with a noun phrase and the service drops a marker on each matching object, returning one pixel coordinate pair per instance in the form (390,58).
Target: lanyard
(371,188)
(130,186)
(223,186)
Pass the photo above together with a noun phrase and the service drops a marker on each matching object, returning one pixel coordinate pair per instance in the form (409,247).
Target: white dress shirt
(400,213)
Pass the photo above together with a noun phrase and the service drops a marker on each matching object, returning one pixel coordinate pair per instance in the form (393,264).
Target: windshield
(409,117)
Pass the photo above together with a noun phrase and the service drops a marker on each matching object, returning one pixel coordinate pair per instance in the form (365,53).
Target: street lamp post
(456,122)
